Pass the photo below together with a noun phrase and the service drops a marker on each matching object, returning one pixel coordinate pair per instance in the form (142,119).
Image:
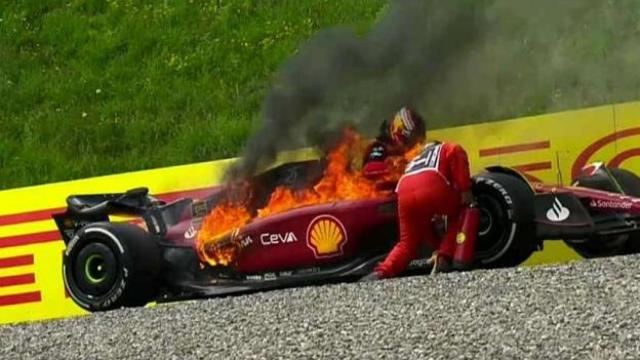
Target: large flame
(217,242)
(339,182)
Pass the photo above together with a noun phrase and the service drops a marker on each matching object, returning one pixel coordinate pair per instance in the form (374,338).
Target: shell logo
(461,238)
(326,236)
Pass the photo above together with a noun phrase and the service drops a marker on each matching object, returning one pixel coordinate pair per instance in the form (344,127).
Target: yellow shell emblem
(326,236)
(461,238)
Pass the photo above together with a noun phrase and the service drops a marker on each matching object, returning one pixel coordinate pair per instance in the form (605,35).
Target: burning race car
(302,223)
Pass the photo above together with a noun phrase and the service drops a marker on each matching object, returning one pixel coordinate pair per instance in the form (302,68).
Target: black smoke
(456,61)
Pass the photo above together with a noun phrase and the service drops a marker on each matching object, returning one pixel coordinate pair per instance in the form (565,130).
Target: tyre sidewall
(100,233)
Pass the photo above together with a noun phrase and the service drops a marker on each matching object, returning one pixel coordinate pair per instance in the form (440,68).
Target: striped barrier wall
(550,147)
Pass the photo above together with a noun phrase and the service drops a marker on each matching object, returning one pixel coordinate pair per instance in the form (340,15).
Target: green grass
(94,87)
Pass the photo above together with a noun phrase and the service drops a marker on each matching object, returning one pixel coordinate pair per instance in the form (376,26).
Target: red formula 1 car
(108,265)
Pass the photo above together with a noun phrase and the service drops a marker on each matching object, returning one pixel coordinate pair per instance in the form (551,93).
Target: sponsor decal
(557,212)
(119,290)
(326,236)
(421,262)
(311,270)
(611,204)
(500,189)
(71,244)
(268,239)
(246,242)
(242,240)
(270,276)
(461,238)
(191,232)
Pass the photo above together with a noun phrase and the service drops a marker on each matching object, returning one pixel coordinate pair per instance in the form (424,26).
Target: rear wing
(91,208)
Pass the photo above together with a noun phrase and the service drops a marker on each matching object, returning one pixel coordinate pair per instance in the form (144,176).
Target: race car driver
(435,183)
(402,133)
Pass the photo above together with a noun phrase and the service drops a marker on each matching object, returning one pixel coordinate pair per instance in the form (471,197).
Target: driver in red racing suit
(436,182)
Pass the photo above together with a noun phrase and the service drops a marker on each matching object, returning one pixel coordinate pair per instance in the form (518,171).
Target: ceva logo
(274,239)
(558,213)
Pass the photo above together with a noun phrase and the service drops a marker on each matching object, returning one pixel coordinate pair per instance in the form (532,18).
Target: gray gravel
(587,310)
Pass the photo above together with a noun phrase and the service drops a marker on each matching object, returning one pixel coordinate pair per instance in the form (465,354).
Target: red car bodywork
(597,200)
(311,236)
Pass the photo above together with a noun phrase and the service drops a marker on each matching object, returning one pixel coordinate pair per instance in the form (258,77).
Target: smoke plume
(457,62)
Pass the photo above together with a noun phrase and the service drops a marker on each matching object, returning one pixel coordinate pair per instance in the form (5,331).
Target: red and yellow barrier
(549,147)
(30,247)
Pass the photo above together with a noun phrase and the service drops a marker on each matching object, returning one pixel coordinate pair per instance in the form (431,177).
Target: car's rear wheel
(611,245)
(107,266)
(506,235)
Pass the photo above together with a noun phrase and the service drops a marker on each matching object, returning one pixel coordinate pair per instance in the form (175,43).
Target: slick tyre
(107,266)
(623,244)
(506,235)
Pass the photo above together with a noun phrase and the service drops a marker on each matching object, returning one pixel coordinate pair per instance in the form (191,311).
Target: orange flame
(340,181)
(397,164)
(217,249)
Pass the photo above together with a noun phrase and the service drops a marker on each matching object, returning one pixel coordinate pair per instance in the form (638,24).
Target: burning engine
(218,242)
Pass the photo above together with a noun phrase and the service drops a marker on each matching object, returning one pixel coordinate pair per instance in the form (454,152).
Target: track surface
(586,310)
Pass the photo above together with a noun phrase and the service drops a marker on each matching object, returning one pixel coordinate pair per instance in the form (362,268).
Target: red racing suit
(431,185)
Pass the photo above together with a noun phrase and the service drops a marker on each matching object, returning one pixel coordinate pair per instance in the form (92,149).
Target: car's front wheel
(107,266)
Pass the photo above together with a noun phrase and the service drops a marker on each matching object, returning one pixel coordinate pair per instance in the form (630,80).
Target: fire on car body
(325,224)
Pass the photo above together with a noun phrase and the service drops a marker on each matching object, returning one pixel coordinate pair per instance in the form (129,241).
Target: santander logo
(557,212)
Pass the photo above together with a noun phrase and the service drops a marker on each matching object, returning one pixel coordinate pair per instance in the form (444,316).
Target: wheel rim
(486,222)
(493,231)
(95,269)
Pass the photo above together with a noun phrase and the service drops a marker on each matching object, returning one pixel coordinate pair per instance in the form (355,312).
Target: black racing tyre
(506,235)
(107,266)
(615,245)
